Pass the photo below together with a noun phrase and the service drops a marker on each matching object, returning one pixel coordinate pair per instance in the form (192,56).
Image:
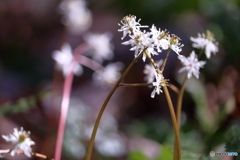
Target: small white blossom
(149,70)
(206,42)
(137,42)
(100,46)
(158,84)
(109,75)
(191,65)
(76,16)
(65,60)
(129,25)
(21,141)
(160,39)
(175,45)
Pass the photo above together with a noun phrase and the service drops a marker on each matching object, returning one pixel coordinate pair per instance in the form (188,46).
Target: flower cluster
(153,42)
(21,141)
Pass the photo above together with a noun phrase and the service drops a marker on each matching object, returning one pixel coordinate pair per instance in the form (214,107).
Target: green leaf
(137,155)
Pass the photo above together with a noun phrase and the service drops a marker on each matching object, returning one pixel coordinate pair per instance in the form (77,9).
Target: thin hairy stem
(6,151)
(90,147)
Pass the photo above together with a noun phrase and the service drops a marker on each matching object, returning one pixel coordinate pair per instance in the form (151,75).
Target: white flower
(175,45)
(76,16)
(139,41)
(21,141)
(158,84)
(191,65)
(65,60)
(100,46)
(206,42)
(159,39)
(129,25)
(109,75)
(149,70)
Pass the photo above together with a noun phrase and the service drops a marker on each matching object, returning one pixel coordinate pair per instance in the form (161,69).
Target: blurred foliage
(233,140)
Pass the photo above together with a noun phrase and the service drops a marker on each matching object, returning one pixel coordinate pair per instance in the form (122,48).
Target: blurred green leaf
(137,155)
(166,153)
(233,140)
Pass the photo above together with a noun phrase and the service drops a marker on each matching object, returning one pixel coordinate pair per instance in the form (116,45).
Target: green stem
(90,147)
(165,60)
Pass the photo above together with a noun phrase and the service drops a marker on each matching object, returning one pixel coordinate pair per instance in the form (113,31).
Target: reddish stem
(63,114)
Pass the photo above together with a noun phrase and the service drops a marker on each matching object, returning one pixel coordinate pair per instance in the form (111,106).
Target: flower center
(21,138)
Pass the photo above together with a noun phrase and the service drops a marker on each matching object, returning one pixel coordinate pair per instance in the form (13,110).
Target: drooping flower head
(100,46)
(191,65)
(160,81)
(21,141)
(207,42)
(149,70)
(65,61)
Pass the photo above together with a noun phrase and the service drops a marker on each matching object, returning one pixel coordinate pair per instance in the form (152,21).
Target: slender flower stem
(165,60)
(177,150)
(179,100)
(90,147)
(89,63)
(177,156)
(6,151)
(63,114)
(135,84)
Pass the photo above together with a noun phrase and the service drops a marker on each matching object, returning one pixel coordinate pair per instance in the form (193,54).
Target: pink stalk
(63,114)
(89,63)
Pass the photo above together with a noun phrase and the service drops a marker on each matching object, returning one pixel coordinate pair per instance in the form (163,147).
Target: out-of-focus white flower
(129,25)
(76,16)
(158,84)
(65,61)
(109,75)
(149,70)
(21,141)
(206,42)
(100,46)
(191,65)
(111,145)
